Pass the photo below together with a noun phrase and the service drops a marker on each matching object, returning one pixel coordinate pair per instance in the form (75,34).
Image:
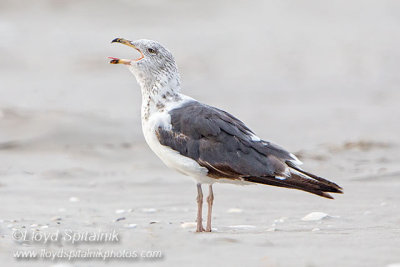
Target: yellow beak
(125,61)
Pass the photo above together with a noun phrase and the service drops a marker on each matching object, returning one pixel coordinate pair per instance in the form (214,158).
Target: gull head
(154,67)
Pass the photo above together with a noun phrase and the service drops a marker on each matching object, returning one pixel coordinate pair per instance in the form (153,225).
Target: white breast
(170,157)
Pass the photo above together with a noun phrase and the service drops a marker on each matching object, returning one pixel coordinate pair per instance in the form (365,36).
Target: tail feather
(301,181)
(322,180)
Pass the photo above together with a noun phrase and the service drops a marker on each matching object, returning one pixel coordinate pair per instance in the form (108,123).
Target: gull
(205,142)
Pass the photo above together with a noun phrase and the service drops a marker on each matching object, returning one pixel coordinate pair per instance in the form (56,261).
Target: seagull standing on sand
(204,142)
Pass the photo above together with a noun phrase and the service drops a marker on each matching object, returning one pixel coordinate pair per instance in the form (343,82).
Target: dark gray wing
(222,143)
(225,146)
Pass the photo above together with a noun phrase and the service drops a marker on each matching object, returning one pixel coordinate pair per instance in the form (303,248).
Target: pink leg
(210,200)
(199,209)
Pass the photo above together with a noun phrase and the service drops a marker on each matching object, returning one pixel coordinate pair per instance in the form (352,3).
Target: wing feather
(226,147)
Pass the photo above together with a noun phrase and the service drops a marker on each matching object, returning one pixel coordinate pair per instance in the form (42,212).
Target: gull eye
(151,50)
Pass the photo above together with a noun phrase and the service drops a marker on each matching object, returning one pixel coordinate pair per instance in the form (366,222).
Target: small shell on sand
(315,216)
(130,225)
(119,211)
(280,220)
(73,199)
(234,210)
(149,210)
(188,225)
(120,219)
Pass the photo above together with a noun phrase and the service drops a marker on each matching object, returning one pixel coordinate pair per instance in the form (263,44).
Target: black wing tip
(335,187)
(331,189)
(317,187)
(326,195)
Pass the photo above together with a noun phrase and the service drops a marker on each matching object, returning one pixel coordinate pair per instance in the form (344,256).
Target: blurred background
(288,60)
(320,78)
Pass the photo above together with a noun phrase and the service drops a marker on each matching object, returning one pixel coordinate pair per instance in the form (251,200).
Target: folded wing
(228,149)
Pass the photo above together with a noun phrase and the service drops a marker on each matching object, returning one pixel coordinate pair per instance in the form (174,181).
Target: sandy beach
(320,80)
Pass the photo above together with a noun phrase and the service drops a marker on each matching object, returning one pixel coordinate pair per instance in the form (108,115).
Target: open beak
(125,61)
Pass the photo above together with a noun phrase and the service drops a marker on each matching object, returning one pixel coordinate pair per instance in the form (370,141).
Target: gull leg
(210,200)
(199,209)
